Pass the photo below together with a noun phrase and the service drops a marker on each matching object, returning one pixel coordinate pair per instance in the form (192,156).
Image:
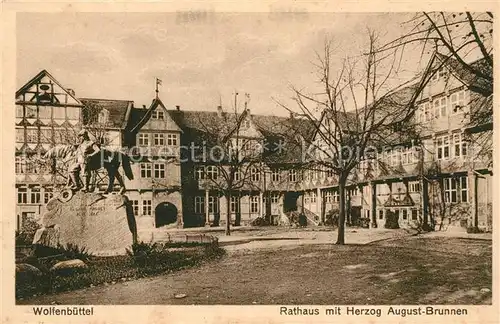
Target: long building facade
(446,179)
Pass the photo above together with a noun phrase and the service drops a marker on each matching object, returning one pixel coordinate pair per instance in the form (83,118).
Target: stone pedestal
(105,225)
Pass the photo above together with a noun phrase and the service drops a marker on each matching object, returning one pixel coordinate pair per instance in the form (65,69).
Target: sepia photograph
(287,158)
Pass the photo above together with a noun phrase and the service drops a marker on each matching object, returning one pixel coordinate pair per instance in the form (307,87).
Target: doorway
(165,214)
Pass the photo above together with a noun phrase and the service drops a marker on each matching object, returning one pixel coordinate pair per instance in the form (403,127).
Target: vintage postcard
(273,162)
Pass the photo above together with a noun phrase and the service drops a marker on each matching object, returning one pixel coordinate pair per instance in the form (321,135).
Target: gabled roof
(462,73)
(37,79)
(118,110)
(141,116)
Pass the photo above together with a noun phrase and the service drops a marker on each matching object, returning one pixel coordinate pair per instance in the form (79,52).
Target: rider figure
(85,151)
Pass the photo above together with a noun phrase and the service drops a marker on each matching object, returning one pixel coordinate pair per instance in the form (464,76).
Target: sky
(201,60)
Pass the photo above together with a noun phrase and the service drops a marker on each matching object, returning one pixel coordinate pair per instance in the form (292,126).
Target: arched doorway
(165,213)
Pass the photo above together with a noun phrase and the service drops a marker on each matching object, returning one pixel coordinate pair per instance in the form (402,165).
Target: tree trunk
(323,208)
(228,217)
(341,224)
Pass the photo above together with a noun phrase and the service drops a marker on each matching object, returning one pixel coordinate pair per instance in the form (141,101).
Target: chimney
(178,107)
(143,106)
(292,115)
(219,111)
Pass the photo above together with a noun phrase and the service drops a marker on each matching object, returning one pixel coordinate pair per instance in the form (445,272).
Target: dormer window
(157,114)
(103,116)
(441,73)
(245,124)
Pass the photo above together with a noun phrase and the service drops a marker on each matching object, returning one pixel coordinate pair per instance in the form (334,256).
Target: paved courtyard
(305,268)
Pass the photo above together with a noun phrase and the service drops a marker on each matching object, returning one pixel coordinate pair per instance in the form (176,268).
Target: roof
(37,78)
(474,80)
(273,128)
(117,109)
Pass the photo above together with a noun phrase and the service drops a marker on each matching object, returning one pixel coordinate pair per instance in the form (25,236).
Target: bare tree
(353,115)
(463,40)
(235,158)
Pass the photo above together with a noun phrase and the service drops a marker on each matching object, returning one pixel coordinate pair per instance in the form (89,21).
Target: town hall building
(446,178)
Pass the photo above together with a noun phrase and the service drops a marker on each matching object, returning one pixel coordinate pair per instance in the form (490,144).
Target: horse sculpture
(107,159)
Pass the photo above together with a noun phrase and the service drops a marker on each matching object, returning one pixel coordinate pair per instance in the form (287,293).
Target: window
(143,139)
(254,174)
(443,147)
(405,214)
(426,113)
(441,73)
(22,195)
(199,204)
(20,135)
(330,173)
(135,207)
(199,173)
(234,204)
(157,114)
(102,118)
(159,170)
(313,197)
(32,135)
(464,196)
(275,198)
(414,214)
(457,102)
(450,190)
(47,194)
(408,157)
(145,170)
(254,204)
(213,204)
(212,172)
(146,207)
(414,186)
(171,139)
(159,139)
(306,175)
(275,175)
(394,157)
(459,145)
(329,197)
(440,107)
(236,175)
(20,165)
(381,214)
(35,195)
(31,111)
(292,175)
(19,111)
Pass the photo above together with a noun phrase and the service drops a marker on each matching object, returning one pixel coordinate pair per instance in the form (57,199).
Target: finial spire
(158,82)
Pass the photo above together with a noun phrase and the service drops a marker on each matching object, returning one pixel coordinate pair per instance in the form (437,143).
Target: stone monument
(103,224)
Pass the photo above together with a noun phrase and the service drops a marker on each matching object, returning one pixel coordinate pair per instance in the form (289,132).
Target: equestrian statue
(88,157)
